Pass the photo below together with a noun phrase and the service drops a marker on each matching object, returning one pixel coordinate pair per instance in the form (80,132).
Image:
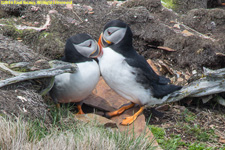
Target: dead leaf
(162,48)
(180,79)
(187,77)
(199,51)
(166,48)
(166,68)
(27,23)
(89,8)
(222,140)
(177,26)
(150,62)
(187,33)
(164,107)
(220,54)
(179,73)
(69,6)
(91,12)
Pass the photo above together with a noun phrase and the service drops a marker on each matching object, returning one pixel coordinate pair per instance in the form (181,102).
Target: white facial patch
(114,34)
(86,48)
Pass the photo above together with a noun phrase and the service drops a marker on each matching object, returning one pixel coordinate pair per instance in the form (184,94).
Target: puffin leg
(79,107)
(57,105)
(131,119)
(119,111)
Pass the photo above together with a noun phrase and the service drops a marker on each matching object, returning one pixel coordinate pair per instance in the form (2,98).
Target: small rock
(104,98)
(86,118)
(205,99)
(194,72)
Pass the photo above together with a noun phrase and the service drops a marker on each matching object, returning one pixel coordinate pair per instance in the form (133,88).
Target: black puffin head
(80,48)
(117,35)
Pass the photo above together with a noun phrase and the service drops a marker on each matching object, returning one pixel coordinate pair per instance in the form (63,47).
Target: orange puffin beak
(100,41)
(97,52)
(103,42)
(100,44)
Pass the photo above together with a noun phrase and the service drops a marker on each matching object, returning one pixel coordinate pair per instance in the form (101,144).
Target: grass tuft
(64,133)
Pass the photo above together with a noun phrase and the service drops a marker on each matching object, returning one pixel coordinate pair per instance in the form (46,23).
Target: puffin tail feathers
(160,91)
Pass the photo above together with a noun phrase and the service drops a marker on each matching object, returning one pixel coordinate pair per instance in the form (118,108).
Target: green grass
(199,133)
(188,116)
(168,4)
(166,143)
(198,146)
(188,125)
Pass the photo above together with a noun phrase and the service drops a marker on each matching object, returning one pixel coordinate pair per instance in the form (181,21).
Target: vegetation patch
(182,128)
(64,133)
(168,4)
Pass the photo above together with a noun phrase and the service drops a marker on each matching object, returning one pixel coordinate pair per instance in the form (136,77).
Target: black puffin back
(71,54)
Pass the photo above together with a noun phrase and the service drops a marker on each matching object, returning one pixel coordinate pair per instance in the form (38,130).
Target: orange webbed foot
(129,120)
(119,111)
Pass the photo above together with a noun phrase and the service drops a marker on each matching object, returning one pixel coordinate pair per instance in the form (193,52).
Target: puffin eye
(109,32)
(89,45)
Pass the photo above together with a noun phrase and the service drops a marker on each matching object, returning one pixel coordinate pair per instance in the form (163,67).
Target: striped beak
(97,52)
(102,42)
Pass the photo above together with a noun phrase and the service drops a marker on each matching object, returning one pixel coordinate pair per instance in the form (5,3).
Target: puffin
(80,49)
(127,72)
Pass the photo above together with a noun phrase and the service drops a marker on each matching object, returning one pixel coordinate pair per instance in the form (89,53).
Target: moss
(20,69)
(51,44)
(44,35)
(45,43)
(168,4)
(12,31)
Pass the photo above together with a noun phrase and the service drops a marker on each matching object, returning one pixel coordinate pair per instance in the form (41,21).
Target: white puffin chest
(118,75)
(77,86)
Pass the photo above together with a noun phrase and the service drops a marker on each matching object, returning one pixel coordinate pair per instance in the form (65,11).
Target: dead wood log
(58,68)
(212,82)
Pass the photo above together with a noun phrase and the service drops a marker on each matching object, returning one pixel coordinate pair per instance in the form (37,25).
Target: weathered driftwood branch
(4,67)
(213,82)
(58,68)
(44,27)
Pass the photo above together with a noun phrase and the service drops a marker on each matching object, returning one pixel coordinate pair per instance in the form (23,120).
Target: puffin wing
(144,71)
(146,76)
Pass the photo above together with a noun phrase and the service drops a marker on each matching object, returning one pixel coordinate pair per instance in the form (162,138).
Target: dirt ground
(197,36)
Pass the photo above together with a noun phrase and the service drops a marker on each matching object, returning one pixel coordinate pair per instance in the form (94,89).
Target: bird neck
(125,49)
